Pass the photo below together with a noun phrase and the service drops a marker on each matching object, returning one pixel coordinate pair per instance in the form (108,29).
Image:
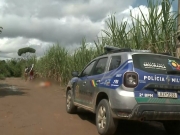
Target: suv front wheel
(105,123)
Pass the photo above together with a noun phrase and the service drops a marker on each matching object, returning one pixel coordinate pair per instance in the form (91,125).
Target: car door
(81,85)
(93,79)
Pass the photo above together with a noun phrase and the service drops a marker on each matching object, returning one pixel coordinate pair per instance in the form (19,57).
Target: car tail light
(130,79)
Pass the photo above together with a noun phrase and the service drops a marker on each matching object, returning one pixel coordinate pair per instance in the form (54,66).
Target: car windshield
(158,64)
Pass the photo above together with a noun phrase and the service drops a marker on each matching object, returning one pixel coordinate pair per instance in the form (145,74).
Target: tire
(172,127)
(70,107)
(109,125)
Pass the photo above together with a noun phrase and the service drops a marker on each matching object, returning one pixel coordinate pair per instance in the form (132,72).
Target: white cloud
(10,46)
(136,12)
(44,22)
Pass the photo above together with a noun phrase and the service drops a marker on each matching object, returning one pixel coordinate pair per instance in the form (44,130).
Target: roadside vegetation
(155,31)
(10,68)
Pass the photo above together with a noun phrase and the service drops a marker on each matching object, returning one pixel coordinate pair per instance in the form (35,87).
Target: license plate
(167,94)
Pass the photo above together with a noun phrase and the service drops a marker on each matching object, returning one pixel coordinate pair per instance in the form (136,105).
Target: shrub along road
(26,109)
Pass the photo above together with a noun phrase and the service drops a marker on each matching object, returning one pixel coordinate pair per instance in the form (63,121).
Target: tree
(26,52)
(1,29)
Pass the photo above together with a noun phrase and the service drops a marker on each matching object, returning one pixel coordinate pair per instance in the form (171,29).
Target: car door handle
(84,83)
(98,81)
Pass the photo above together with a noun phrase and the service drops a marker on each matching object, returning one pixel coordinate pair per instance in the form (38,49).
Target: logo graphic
(118,75)
(93,83)
(174,64)
(154,65)
(116,81)
(107,82)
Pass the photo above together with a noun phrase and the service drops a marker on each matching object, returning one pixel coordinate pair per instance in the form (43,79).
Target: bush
(2,77)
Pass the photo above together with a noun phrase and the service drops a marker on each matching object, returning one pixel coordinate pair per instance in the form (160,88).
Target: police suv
(128,84)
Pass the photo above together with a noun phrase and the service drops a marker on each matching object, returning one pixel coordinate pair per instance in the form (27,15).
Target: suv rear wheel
(70,107)
(172,127)
(105,123)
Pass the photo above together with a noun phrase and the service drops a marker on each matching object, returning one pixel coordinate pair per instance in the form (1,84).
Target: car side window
(115,62)
(100,66)
(88,69)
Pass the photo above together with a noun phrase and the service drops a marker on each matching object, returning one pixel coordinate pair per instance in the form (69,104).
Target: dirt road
(26,109)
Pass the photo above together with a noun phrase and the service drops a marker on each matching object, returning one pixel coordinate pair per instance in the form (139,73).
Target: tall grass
(58,63)
(155,31)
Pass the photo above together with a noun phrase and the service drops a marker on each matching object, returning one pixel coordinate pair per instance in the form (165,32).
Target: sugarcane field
(93,67)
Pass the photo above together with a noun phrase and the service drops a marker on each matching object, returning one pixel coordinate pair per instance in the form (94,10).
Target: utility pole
(178,32)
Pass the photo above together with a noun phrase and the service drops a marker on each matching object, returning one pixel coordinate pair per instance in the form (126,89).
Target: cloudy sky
(40,23)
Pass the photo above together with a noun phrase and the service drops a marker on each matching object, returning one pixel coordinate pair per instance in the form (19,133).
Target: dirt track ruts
(26,109)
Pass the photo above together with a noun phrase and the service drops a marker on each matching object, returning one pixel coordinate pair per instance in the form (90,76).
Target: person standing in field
(26,73)
(31,73)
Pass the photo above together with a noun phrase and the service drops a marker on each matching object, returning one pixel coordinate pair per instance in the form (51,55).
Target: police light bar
(146,51)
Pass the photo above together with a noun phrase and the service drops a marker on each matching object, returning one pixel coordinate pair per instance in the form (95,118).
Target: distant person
(31,73)
(26,73)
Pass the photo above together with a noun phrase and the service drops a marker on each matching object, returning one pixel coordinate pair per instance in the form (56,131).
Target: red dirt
(26,109)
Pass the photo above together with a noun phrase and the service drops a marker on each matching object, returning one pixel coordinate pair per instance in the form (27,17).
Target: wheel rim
(68,101)
(102,117)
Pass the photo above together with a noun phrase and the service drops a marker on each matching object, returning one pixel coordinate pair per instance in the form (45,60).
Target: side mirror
(75,73)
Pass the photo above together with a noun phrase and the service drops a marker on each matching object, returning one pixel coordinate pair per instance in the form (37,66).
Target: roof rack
(165,54)
(112,49)
(145,51)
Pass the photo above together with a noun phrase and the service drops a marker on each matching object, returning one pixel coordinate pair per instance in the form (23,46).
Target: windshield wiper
(173,72)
